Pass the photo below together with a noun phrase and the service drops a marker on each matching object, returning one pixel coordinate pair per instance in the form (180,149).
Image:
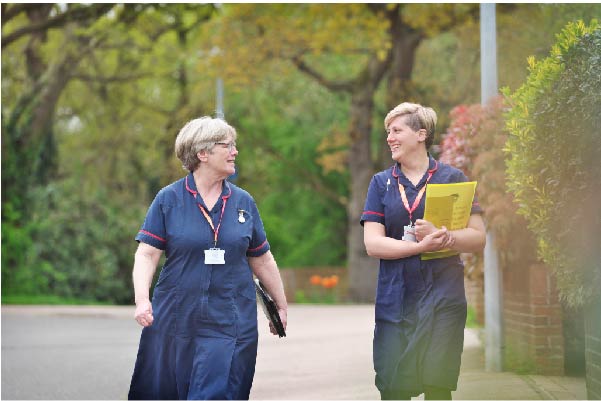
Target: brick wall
(533,321)
(593,351)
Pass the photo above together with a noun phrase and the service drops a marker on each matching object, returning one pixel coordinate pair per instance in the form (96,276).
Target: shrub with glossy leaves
(554,162)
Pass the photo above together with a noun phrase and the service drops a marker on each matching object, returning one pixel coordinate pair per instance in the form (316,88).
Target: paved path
(89,353)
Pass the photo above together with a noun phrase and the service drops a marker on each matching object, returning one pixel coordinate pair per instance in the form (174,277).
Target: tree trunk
(405,41)
(29,146)
(362,268)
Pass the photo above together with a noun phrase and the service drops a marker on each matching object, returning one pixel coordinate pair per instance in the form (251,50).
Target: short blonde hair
(417,117)
(200,134)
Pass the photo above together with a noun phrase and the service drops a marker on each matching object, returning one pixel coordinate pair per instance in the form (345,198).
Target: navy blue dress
(420,305)
(203,342)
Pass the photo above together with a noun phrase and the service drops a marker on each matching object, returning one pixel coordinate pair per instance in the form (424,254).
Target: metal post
(219,100)
(493,278)
(488,52)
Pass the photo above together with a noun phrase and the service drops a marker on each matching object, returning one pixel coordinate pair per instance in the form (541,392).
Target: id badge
(214,256)
(409,233)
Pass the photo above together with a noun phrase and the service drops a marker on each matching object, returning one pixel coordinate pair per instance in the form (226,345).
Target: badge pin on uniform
(241,218)
(387,184)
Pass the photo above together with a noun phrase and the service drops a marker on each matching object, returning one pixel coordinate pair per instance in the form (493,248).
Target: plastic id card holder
(214,256)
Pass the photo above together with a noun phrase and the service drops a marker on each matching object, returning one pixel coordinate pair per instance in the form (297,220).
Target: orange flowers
(324,289)
(326,282)
(315,279)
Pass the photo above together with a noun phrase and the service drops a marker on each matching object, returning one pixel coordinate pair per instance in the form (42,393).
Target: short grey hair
(200,134)
(417,117)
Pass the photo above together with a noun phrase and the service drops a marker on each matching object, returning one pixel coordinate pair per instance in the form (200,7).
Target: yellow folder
(448,205)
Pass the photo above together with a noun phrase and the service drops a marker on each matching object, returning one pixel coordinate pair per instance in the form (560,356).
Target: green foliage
(317,296)
(474,143)
(302,202)
(471,321)
(75,189)
(47,300)
(553,164)
(70,211)
(518,361)
(74,248)
(16,249)
(256,34)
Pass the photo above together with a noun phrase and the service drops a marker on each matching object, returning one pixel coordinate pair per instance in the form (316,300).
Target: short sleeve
(476,209)
(258,242)
(153,230)
(374,208)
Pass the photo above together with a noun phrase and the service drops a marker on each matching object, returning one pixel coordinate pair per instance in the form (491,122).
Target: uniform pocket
(448,279)
(164,309)
(390,294)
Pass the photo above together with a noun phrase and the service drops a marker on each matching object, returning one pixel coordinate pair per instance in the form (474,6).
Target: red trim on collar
(190,189)
(430,171)
(225,197)
(194,193)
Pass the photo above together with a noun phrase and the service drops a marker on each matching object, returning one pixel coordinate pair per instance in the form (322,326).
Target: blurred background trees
(93,96)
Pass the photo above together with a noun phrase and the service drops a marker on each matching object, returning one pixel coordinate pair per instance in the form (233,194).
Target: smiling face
(403,140)
(221,159)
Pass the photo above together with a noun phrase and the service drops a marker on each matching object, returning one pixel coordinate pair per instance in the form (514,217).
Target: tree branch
(113,79)
(151,107)
(80,14)
(14,10)
(334,86)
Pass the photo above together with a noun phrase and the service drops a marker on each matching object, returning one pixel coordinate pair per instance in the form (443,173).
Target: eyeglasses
(229,145)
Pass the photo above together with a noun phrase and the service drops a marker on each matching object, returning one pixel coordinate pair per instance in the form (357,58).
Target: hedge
(554,159)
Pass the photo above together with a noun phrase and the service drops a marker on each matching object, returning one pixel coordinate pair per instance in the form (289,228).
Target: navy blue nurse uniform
(420,305)
(203,342)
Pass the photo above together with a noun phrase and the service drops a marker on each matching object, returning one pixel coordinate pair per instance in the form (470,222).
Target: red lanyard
(418,198)
(206,215)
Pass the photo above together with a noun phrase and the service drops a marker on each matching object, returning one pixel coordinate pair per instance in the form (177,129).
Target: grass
(316,297)
(47,300)
(471,321)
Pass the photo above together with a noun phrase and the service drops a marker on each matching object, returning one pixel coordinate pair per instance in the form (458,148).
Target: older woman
(199,339)
(420,304)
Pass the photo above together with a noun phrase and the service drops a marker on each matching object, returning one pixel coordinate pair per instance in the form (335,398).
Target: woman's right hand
(143,313)
(435,241)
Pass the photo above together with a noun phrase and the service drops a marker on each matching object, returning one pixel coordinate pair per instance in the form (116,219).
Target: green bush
(554,151)
(72,247)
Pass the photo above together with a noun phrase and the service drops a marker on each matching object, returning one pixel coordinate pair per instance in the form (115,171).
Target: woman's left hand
(423,228)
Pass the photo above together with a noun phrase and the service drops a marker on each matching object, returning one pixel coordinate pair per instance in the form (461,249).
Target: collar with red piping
(431,169)
(224,198)
(192,188)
